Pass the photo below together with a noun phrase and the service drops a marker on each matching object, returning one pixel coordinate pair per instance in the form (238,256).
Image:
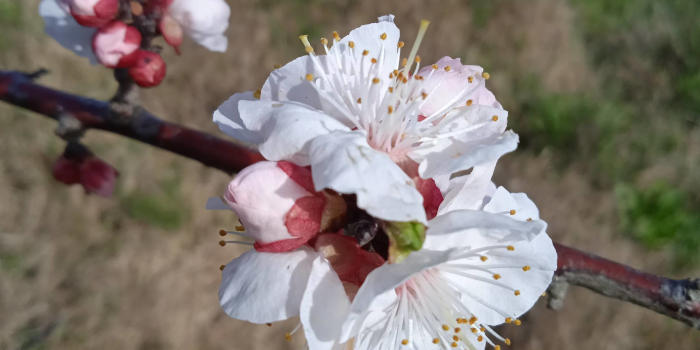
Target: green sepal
(404,238)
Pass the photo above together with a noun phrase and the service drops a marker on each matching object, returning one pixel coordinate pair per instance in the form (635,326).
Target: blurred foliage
(645,108)
(162,207)
(659,216)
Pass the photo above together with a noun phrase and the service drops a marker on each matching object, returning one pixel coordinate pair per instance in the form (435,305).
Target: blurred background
(604,94)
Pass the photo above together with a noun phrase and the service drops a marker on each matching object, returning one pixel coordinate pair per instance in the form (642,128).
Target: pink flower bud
(93,13)
(66,170)
(277,204)
(171,30)
(116,45)
(78,165)
(447,79)
(148,69)
(98,177)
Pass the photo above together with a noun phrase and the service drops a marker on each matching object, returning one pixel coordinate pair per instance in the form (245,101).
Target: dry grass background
(82,272)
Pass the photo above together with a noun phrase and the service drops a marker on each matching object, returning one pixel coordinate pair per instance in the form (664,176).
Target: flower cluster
(374,218)
(117,33)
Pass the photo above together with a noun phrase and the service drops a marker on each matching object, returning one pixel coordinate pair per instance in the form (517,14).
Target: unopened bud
(116,45)
(97,176)
(148,70)
(171,30)
(93,13)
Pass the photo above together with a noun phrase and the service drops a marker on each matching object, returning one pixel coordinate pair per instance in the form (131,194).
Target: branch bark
(678,299)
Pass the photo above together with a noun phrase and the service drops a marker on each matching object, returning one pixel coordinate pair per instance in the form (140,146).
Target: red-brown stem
(18,89)
(679,299)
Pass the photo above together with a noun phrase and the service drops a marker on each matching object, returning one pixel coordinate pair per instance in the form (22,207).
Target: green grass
(660,216)
(162,207)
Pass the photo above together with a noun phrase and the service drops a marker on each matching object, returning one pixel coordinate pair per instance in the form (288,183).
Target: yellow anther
(445,327)
(307,45)
(469,102)
(404,342)
(510,247)
(383,36)
(222,267)
(455,338)
(375,81)
(365,52)
(516,292)
(486,75)
(448,68)
(359,100)
(517,322)
(434,66)
(256,94)
(336,37)
(494,118)
(240,228)
(373,60)
(390,109)
(497,347)
(474,330)
(309,77)
(288,336)
(479,338)
(222,233)
(222,243)
(424,95)
(473,320)
(454,344)
(400,44)
(405,80)
(436,340)
(526,268)
(544,294)
(417,59)
(404,62)
(483,258)
(529,219)
(277,66)
(482,329)
(509,320)
(507,341)
(470,79)
(391,89)
(496,276)
(512,212)
(324,41)
(457,329)
(351,44)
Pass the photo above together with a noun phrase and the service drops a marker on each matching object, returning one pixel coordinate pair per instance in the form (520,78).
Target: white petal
(324,307)
(216,203)
(493,303)
(475,229)
(368,37)
(504,201)
(265,287)
(469,191)
(228,118)
(288,128)
(61,26)
(204,21)
(464,155)
(289,83)
(343,161)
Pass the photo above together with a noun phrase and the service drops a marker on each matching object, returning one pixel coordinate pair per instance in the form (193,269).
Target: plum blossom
(93,13)
(205,21)
(115,44)
(371,124)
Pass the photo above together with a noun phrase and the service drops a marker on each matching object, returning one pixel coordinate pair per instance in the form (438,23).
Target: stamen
(383,36)
(365,52)
(436,340)
(526,268)
(324,41)
(448,68)
(510,247)
(404,342)
(222,233)
(222,243)
(454,344)
(434,66)
(336,37)
(359,100)
(484,258)
(469,102)
(417,59)
(404,62)
(419,37)
(375,81)
(351,44)
(373,60)
(445,327)
(509,319)
(307,45)
(512,212)
(222,267)
(496,276)
(277,66)
(457,329)
(507,341)
(517,322)
(400,44)
(495,118)
(516,292)
(470,79)
(309,77)
(486,75)
(256,94)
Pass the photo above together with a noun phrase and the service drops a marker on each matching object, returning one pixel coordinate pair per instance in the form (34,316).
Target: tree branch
(679,299)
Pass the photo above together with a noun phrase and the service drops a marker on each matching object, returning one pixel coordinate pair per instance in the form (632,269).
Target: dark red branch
(18,89)
(679,299)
